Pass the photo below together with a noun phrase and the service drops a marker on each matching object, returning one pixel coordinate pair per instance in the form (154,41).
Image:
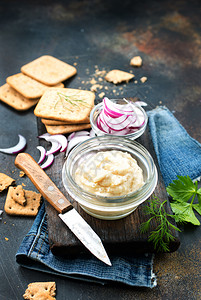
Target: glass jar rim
(132,135)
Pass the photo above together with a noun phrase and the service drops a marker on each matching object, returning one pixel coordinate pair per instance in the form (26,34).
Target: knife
(66,211)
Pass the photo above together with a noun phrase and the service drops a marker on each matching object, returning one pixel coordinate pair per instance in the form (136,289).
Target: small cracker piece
(28,87)
(66,128)
(49,70)
(14,99)
(5,181)
(72,105)
(40,291)
(18,195)
(30,209)
(117,76)
(136,61)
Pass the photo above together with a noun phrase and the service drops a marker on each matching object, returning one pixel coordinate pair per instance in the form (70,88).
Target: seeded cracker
(49,70)
(27,86)
(117,76)
(14,99)
(66,128)
(66,104)
(41,291)
(30,209)
(55,122)
(5,181)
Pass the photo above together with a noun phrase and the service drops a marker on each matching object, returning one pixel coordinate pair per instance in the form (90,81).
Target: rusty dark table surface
(104,35)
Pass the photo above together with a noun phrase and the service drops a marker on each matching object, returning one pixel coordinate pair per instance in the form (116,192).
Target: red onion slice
(58,141)
(48,162)
(17,148)
(42,154)
(76,140)
(120,119)
(55,147)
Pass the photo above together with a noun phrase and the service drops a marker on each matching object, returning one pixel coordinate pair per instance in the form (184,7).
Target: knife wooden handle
(42,182)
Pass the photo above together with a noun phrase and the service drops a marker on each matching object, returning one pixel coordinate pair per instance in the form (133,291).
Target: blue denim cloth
(177,153)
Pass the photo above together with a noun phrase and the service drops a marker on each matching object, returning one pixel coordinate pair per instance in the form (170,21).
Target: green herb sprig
(72,99)
(184,193)
(162,235)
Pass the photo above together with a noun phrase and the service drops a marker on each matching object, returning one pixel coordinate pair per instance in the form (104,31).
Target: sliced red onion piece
(17,148)
(42,154)
(120,119)
(92,133)
(141,103)
(60,139)
(55,147)
(76,140)
(48,162)
(71,136)
(116,110)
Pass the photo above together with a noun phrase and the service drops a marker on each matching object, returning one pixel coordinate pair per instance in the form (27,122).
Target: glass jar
(109,208)
(97,110)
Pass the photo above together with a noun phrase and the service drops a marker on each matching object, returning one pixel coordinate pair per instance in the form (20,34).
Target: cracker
(117,76)
(55,122)
(5,181)
(136,61)
(30,209)
(18,195)
(74,109)
(14,99)
(28,87)
(49,70)
(66,128)
(41,291)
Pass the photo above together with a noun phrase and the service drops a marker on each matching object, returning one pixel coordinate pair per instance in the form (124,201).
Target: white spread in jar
(111,173)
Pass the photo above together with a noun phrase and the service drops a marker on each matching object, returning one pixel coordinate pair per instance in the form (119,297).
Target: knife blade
(67,213)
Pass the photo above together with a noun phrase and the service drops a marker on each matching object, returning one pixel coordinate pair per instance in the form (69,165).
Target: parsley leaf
(182,190)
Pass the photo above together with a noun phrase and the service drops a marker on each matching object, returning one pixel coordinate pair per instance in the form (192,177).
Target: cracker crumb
(22,174)
(95,87)
(136,61)
(114,91)
(23,184)
(75,63)
(100,79)
(93,81)
(135,81)
(143,79)
(106,87)
(101,95)
(6,239)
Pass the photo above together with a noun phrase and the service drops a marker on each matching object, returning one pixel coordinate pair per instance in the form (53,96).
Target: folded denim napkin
(178,154)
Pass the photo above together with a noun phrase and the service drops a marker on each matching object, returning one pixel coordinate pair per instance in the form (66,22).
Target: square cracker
(27,86)
(117,76)
(5,181)
(41,291)
(75,108)
(14,99)
(55,122)
(64,129)
(49,70)
(30,209)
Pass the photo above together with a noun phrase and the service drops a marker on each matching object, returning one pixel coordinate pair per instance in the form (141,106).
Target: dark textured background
(104,35)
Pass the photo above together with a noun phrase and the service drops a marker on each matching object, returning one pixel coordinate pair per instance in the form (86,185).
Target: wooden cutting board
(120,236)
